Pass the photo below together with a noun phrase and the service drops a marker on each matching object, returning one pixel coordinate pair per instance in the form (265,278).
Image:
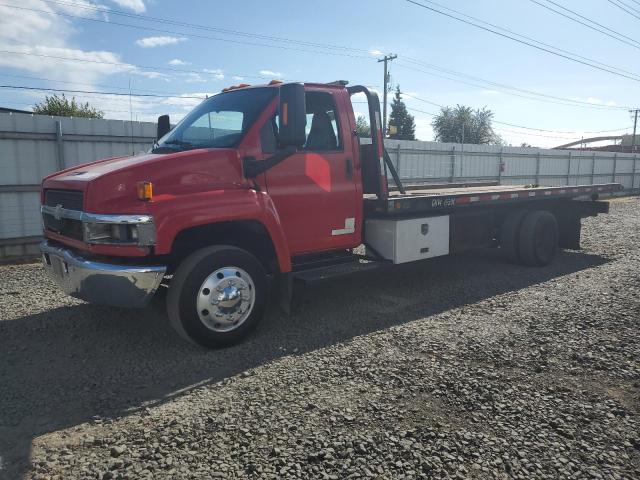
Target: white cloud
(217,73)
(151,74)
(596,101)
(42,42)
(270,73)
(375,52)
(135,5)
(186,101)
(236,77)
(193,77)
(40,36)
(178,62)
(151,42)
(424,131)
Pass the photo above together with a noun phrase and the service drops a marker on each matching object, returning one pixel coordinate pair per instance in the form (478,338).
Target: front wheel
(217,296)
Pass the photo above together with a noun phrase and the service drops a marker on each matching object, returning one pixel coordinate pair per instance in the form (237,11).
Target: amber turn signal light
(145,191)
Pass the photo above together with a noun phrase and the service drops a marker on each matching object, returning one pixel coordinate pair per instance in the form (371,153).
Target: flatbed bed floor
(455,190)
(441,199)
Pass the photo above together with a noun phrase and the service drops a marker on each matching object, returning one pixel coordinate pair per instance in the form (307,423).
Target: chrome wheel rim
(225,299)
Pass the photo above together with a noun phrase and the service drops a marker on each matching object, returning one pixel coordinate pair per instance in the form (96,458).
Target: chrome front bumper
(102,283)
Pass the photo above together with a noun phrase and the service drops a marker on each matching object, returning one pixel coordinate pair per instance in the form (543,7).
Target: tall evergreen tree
(401,119)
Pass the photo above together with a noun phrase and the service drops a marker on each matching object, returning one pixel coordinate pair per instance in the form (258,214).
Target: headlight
(110,233)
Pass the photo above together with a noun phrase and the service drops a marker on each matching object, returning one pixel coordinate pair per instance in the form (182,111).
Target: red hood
(110,185)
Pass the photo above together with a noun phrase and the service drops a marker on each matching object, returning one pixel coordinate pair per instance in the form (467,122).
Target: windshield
(218,122)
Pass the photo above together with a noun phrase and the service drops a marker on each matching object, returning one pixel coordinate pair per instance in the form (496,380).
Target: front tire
(217,296)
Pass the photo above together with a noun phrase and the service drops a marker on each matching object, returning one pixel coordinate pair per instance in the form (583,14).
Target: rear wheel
(217,296)
(538,241)
(510,236)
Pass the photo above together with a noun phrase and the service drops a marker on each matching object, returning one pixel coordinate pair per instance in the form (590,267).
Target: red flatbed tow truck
(269,186)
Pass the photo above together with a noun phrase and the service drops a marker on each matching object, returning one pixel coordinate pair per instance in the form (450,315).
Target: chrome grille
(69,199)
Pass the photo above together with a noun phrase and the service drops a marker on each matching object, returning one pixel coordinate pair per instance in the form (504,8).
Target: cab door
(314,190)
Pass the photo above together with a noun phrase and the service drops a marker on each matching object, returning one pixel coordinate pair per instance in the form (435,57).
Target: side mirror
(163,126)
(293,116)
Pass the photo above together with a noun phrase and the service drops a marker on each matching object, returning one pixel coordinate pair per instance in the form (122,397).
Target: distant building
(621,143)
(12,110)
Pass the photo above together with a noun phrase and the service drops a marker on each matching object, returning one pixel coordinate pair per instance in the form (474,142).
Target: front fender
(173,214)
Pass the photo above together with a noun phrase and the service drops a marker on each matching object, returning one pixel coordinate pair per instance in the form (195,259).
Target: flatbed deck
(443,199)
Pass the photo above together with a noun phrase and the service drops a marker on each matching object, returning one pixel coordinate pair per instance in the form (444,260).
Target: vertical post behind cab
(376,136)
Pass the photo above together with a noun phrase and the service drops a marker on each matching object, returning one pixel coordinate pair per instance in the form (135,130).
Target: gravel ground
(462,367)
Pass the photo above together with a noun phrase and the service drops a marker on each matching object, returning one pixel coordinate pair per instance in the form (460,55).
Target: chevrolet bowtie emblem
(58,212)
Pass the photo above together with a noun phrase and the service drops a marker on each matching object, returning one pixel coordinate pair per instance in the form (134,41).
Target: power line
(179,70)
(206,27)
(530,39)
(183,34)
(274,38)
(624,7)
(124,94)
(545,97)
(164,20)
(634,45)
(593,21)
(129,66)
(510,124)
(529,134)
(118,94)
(589,62)
(500,129)
(86,84)
(148,95)
(26,105)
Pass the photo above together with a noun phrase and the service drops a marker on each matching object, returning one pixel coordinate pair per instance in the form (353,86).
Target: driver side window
(322,129)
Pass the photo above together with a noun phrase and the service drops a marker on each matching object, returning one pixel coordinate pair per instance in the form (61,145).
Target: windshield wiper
(170,146)
(180,143)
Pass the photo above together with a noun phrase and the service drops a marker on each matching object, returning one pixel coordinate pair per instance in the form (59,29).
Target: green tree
(400,118)
(63,107)
(455,125)
(362,127)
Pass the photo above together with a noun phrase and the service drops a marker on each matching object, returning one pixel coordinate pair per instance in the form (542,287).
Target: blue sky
(164,58)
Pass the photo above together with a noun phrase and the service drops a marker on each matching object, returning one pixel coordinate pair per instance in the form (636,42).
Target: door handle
(349,168)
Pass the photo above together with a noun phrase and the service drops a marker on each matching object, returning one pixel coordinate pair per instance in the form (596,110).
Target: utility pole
(386,59)
(635,124)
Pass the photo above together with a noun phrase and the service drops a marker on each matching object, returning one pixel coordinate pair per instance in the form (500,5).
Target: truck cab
(263,183)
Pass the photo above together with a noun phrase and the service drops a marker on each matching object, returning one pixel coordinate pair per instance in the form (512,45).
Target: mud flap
(285,292)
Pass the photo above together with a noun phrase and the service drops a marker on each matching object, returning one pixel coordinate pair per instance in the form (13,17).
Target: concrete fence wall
(33,146)
(433,162)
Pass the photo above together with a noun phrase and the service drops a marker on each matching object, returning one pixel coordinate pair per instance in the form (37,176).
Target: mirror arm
(252,167)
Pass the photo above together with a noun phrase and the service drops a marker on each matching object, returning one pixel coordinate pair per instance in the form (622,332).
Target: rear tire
(510,236)
(217,296)
(538,242)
